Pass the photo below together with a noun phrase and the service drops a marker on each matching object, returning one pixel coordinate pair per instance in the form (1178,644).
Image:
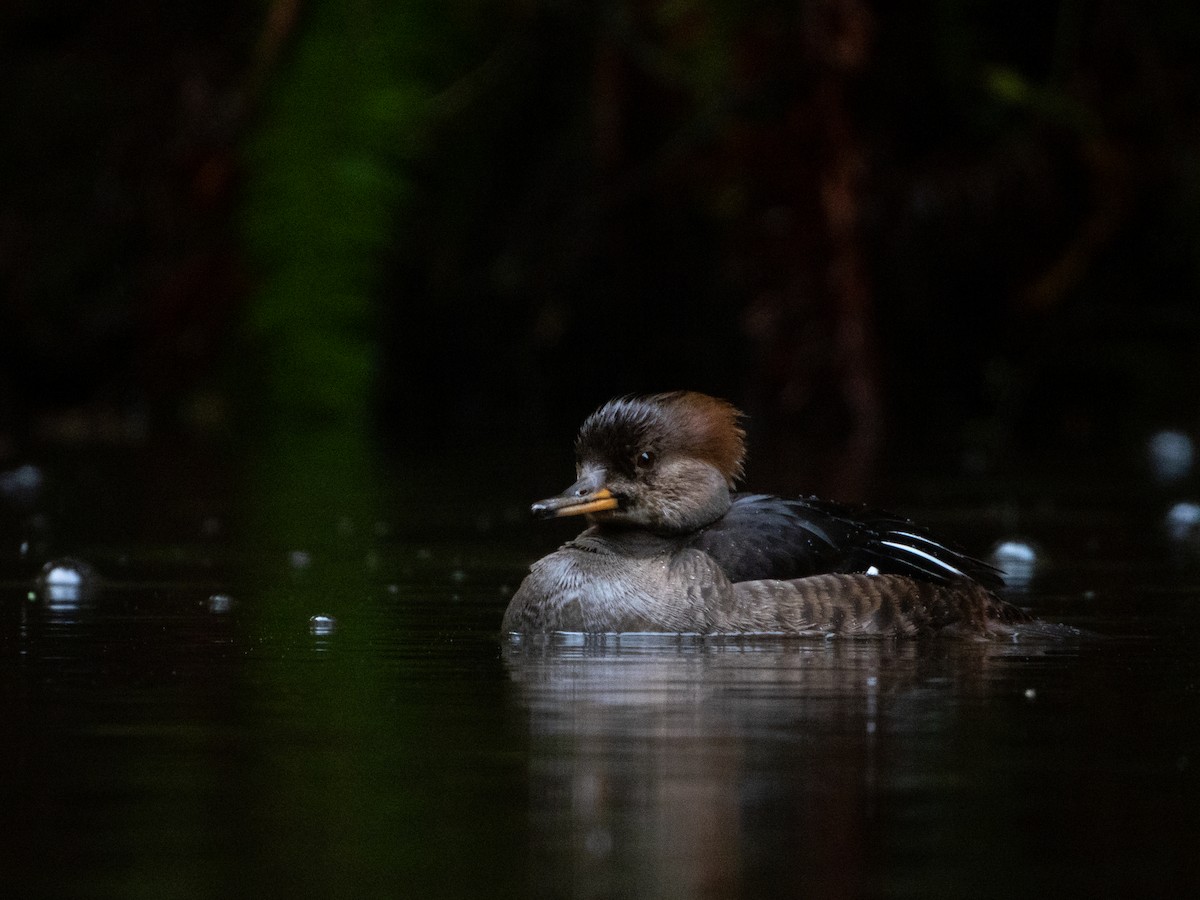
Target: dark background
(302,302)
(953,235)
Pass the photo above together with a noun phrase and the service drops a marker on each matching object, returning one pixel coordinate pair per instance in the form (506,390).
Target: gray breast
(586,590)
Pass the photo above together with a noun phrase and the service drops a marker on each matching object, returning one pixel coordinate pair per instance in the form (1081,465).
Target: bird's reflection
(727,767)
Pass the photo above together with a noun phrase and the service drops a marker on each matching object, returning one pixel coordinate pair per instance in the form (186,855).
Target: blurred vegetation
(327,169)
(961,225)
(326,172)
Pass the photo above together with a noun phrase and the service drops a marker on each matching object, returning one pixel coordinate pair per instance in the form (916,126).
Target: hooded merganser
(671,549)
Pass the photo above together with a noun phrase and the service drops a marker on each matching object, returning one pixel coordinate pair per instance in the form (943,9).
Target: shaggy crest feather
(685,421)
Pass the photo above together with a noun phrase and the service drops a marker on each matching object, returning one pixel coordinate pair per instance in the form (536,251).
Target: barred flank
(866,604)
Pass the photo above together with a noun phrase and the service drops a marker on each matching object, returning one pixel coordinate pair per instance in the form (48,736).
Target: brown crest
(706,427)
(683,422)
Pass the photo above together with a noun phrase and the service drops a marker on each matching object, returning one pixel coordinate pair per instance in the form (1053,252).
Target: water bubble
(1171,455)
(1018,560)
(64,573)
(220,603)
(65,582)
(22,485)
(321,625)
(1183,521)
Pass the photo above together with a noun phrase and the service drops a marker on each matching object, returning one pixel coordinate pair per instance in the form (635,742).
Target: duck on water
(670,548)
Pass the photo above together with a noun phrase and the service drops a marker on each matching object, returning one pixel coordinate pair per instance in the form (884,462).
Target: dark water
(181,728)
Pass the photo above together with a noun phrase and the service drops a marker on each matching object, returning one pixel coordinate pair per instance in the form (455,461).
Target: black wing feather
(768,537)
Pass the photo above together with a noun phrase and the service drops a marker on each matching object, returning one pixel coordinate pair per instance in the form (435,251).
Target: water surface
(182,728)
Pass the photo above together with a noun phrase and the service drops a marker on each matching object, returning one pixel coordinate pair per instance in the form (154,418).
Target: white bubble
(22,484)
(220,603)
(1171,455)
(65,582)
(1018,560)
(321,625)
(1183,521)
(63,576)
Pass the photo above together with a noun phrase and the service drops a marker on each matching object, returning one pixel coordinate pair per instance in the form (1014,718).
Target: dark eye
(645,459)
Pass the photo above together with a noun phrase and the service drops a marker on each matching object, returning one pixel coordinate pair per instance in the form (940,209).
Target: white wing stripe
(918,537)
(923,555)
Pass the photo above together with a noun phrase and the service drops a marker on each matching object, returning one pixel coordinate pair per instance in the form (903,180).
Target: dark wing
(895,545)
(768,537)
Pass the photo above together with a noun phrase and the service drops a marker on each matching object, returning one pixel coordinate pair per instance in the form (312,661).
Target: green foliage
(326,181)
(328,175)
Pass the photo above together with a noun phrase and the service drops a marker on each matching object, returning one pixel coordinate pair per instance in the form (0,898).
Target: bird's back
(765,537)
